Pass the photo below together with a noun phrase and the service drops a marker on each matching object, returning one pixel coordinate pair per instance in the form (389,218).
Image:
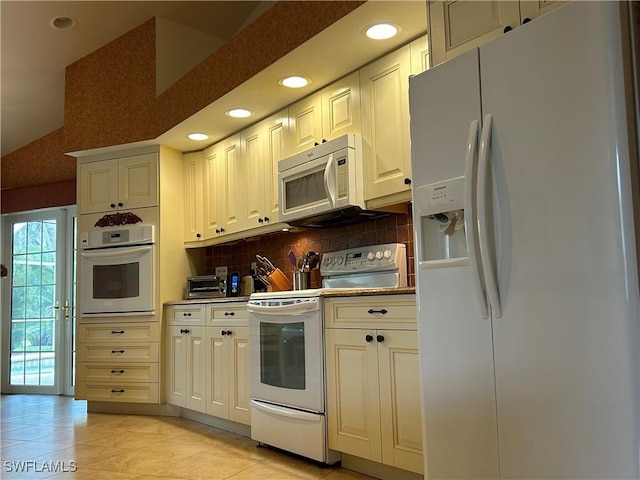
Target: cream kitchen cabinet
(193,197)
(325,115)
(228,362)
(214,192)
(118,362)
(373,380)
(458,26)
(186,358)
(118,184)
(261,147)
(384,87)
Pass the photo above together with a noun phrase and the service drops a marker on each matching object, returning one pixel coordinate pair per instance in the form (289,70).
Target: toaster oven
(206,286)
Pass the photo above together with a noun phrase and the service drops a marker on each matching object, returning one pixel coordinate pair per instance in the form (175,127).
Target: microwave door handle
(328,170)
(112,252)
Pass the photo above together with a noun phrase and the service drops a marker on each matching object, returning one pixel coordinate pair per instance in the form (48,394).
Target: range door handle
(286,412)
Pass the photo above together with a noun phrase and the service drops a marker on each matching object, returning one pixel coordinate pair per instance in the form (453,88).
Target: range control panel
(374,258)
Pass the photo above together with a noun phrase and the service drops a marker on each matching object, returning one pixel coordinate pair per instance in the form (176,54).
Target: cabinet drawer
(372,312)
(117,373)
(227,315)
(143,352)
(193,315)
(127,333)
(127,392)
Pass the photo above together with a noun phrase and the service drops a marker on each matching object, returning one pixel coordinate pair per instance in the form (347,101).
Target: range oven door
(286,343)
(117,281)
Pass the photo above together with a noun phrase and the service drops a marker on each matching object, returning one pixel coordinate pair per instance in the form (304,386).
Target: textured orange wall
(110,93)
(57,194)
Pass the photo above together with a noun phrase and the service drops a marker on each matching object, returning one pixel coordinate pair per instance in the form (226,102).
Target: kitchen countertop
(328,293)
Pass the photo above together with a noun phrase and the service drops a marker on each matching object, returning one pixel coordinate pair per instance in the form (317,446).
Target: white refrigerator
(526,268)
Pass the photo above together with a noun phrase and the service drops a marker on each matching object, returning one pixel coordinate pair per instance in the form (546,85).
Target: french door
(38,307)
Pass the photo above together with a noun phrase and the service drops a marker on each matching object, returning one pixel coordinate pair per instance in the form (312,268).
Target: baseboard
(165,409)
(221,423)
(377,470)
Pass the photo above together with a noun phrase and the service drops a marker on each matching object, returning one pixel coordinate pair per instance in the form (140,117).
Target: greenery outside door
(38,302)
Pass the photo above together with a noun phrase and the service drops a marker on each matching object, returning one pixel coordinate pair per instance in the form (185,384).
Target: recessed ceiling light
(381,31)
(294,82)
(198,136)
(239,113)
(63,23)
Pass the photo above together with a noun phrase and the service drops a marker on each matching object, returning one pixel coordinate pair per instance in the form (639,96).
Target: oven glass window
(282,355)
(116,281)
(305,190)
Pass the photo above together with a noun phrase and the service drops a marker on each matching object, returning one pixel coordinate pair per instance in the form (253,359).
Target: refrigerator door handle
(483,234)
(470,170)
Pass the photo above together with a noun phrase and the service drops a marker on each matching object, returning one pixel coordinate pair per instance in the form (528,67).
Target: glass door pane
(33,296)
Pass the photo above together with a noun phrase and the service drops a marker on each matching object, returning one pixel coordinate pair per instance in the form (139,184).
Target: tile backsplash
(395,228)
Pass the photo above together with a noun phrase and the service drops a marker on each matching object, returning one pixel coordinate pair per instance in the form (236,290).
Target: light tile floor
(54,437)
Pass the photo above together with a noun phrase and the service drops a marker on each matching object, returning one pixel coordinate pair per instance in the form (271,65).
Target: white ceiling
(34,57)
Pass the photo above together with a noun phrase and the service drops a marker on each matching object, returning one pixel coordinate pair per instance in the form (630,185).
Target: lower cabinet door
(196,372)
(239,406)
(218,372)
(353,407)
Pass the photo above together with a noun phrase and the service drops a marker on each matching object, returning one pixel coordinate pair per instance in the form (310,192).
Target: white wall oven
(117,271)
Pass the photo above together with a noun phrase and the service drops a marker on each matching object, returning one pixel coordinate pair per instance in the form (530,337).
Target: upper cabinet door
(384,85)
(530,10)
(252,154)
(341,107)
(235,191)
(215,181)
(276,128)
(138,181)
(98,186)
(305,124)
(458,26)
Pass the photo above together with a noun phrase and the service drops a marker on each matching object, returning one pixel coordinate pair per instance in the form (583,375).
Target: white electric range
(286,334)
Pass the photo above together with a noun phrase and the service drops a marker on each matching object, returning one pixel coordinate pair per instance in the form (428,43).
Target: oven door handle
(116,252)
(290,413)
(308,305)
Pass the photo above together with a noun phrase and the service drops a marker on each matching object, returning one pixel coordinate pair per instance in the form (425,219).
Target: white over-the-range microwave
(324,186)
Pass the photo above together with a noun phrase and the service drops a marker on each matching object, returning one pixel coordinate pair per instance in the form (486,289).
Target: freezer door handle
(483,234)
(470,172)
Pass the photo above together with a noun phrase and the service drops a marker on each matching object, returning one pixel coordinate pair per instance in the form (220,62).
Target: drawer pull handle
(184,330)
(230,314)
(186,314)
(117,391)
(380,338)
(369,338)
(117,332)
(117,371)
(371,311)
(117,351)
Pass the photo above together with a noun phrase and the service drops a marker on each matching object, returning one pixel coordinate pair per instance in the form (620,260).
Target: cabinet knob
(315,144)
(407,181)
(380,338)
(113,205)
(222,230)
(526,20)
(508,28)
(217,230)
(120,204)
(266,219)
(229,332)
(371,311)
(223,332)
(260,220)
(198,235)
(369,338)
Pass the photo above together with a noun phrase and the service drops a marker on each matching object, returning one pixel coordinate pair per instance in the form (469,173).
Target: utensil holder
(301,280)
(279,281)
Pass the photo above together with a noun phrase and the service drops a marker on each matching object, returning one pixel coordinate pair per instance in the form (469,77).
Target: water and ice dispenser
(441,229)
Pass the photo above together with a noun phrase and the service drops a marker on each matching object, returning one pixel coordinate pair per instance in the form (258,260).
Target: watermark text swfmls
(57,466)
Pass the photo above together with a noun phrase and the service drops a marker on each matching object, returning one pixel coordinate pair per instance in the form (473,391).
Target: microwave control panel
(343,177)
